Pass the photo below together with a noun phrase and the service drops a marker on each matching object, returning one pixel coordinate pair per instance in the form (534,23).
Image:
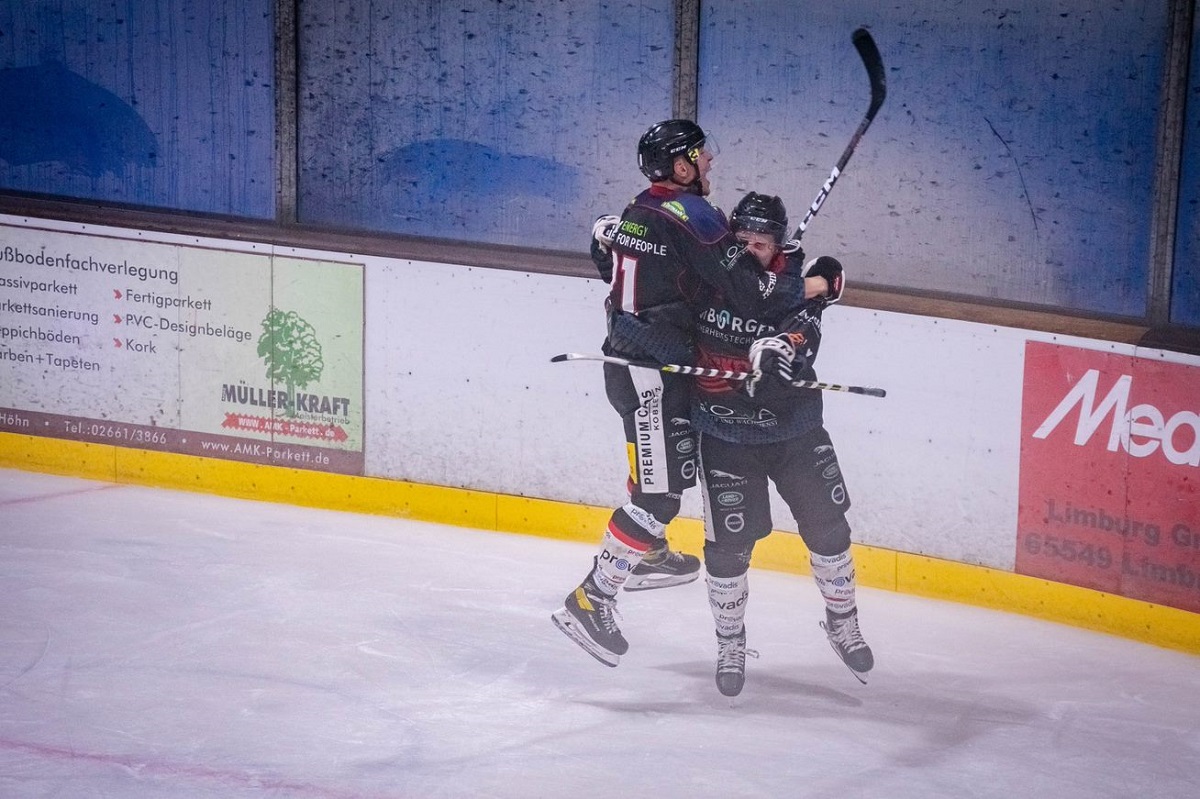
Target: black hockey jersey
(670,250)
(776,413)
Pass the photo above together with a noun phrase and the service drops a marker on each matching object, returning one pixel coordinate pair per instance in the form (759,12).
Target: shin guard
(618,557)
(834,576)
(727,597)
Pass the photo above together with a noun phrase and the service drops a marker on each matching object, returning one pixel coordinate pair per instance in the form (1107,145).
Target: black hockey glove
(830,269)
(795,265)
(770,359)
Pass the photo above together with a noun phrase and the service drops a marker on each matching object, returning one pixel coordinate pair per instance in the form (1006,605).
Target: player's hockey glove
(771,358)
(830,269)
(604,230)
(795,265)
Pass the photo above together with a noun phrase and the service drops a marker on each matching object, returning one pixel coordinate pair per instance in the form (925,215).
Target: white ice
(162,644)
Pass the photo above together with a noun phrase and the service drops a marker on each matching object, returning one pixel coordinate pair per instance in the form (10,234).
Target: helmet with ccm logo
(760,213)
(662,143)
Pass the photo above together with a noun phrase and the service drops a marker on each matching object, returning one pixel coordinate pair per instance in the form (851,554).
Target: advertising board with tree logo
(247,355)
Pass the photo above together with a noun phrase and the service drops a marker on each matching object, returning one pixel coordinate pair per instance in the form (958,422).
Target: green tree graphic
(290,348)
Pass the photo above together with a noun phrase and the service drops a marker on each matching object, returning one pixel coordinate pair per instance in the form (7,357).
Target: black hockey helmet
(659,146)
(760,213)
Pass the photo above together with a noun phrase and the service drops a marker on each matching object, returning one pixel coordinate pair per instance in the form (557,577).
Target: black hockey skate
(731,662)
(588,618)
(847,641)
(662,567)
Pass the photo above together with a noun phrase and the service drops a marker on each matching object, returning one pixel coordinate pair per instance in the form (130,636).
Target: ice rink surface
(165,645)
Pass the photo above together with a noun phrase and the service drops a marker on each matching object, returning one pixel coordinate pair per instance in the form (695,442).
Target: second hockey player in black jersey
(764,430)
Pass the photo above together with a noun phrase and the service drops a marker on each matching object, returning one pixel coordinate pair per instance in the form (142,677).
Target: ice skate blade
(861,676)
(647,582)
(565,622)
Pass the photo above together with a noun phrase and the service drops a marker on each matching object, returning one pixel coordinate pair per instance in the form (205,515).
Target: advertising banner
(1110,461)
(244,356)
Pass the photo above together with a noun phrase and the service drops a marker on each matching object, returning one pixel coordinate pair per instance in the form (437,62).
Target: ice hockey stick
(700,371)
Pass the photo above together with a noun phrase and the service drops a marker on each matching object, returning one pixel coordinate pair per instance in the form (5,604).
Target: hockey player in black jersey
(668,249)
(765,430)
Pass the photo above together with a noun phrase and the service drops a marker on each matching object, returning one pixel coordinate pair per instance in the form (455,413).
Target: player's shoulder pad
(692,211)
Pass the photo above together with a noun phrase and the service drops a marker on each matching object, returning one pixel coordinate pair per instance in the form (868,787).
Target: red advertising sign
(1110,462)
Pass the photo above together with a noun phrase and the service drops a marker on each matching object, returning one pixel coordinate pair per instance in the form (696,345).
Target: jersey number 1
(625,271)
